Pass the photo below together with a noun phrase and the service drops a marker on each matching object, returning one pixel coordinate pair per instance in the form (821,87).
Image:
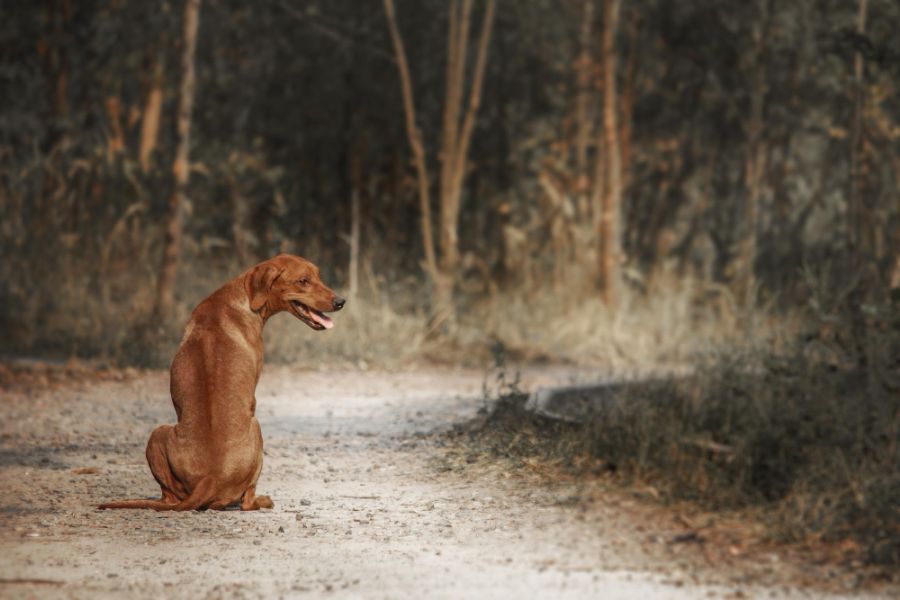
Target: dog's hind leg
(250,501)
(172,489)
(200,497)
(158,459)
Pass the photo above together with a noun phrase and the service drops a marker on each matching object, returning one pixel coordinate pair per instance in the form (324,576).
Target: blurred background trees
(571,149)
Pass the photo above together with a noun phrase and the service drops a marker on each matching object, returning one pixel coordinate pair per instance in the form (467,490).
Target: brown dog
(213,456)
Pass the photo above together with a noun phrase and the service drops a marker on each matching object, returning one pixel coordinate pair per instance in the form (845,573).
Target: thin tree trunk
(598,186)
(353,284)
(854,210)
(172,249)
(627,104)
(415,140)
(457,46)
(116,138)
(356,183)
(610,224)
(583,116)
(455,78)
(54,50)
(753,165)
(150,118)
(450,249)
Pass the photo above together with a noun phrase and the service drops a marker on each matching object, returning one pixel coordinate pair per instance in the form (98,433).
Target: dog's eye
(304,281)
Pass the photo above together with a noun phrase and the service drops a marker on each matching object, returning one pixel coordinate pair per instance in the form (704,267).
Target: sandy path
(366,506)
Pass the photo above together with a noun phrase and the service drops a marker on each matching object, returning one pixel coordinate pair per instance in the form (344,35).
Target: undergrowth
(806,432)
(67,305)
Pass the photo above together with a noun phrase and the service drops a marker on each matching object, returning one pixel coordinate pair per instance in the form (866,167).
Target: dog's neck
(242,303)
(242,293)
(262,314)
(232,299)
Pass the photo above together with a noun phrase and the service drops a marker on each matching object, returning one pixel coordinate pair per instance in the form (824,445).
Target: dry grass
(367,333)
(669,324)
(78,323)
(805,432)
(90,294)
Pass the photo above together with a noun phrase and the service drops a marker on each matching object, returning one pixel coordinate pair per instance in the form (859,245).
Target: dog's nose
(338,303)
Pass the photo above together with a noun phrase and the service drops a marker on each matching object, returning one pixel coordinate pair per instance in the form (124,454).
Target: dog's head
(292,283)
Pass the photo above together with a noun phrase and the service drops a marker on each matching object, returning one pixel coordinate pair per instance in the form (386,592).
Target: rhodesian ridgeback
(212,457)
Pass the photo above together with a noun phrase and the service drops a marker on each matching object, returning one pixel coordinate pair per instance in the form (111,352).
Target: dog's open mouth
(311,316)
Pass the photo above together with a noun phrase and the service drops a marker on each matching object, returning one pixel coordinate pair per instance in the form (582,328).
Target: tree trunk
(172,248)
(452,187)
(54,53)
(854,197)
(583,117)
(457,46)
(415,140)
(455,136)
(150,118)
(115,140)
(627,103)
(746,275)
(610,221)
(356,185)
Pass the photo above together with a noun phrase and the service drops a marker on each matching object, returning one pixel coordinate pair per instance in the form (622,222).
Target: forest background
(707,186)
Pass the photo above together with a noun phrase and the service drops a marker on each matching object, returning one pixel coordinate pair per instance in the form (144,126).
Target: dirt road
(366,505)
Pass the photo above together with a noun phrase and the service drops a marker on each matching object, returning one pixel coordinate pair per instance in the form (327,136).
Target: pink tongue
(321,319)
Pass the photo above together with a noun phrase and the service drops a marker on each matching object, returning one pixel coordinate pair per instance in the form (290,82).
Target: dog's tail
(201,496)
(154,504)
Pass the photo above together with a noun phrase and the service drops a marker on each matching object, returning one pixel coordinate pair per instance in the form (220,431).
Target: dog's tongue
(321,319)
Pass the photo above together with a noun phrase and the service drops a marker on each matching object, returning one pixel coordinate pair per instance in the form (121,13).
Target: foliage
(809,433)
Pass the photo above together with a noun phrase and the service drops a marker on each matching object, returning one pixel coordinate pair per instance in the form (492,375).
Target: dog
(212,457)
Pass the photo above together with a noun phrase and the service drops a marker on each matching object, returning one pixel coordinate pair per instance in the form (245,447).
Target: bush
(808,432)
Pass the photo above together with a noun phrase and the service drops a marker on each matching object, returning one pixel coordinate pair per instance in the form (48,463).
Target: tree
(456,136)
(181,168)
(856,238)
(150,118)
(755,158)
(610,226)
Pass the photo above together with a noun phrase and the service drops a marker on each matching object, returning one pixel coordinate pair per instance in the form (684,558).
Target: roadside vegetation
(800,429)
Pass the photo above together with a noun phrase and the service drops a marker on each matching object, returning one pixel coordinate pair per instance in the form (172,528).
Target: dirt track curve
(366,505)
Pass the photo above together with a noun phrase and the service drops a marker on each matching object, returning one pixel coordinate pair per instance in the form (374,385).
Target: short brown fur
(212,457)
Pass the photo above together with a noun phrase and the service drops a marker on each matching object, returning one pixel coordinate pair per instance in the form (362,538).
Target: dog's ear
(259,282)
